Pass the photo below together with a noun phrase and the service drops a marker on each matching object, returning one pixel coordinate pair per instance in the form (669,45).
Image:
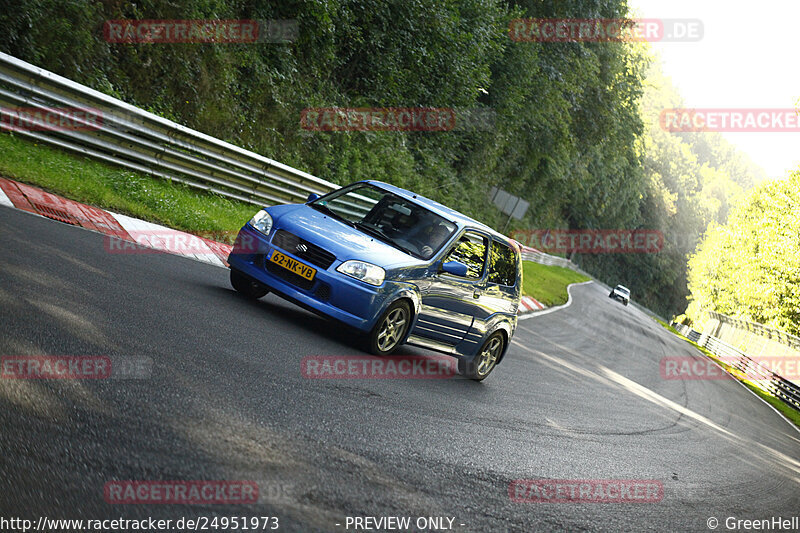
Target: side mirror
(456,268)
(311,197)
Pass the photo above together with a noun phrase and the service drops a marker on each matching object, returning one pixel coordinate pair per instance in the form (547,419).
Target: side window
(502,265)
(470,250)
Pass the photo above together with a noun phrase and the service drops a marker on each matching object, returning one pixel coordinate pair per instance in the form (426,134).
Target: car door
(499,296)
(451,303)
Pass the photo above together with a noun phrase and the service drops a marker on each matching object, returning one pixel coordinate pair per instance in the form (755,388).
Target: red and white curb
(169,240)
(529,305)
(125,234)
(4,200)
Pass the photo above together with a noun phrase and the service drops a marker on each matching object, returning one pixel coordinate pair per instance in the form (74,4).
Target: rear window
(502,265)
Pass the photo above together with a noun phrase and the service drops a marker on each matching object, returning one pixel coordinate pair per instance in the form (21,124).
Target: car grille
(313,254)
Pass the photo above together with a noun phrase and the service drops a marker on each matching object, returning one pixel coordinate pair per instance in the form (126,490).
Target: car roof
(623,287)
(442,210)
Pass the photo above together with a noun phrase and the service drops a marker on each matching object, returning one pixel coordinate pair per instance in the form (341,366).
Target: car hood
(343,240)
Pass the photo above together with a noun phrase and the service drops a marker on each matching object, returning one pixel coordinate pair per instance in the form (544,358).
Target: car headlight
(262,221)
(366,272)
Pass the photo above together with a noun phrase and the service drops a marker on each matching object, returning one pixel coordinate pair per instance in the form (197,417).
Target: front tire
(484,362)
(247,286)
(390,329)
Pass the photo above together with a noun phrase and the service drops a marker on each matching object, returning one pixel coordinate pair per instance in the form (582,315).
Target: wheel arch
(505,329)
(415,303)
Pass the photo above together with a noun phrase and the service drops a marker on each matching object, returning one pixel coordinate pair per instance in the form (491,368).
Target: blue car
(392,264)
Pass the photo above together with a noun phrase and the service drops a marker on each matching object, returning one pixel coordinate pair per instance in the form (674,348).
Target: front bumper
(331,293)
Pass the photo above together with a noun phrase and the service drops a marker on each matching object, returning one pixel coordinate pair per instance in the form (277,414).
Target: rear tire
(247,286)
(390,329)
(480,366)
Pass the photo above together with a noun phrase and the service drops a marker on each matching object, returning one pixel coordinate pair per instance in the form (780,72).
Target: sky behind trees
(735,65)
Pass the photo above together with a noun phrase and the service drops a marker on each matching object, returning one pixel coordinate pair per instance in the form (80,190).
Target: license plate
(295,266)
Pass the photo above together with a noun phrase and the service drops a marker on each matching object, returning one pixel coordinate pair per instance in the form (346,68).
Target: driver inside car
(436,235)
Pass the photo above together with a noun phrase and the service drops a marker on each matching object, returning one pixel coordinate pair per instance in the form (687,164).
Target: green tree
(750,266)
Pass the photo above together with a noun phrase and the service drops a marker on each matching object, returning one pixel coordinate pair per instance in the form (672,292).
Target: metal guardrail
(138,140)
(763,377)
(777,335)
(532,254)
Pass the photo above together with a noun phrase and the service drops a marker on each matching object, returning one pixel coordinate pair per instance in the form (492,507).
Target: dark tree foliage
(567,134)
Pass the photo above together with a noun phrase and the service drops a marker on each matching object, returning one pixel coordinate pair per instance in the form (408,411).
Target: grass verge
(120,190)
(792,414)
(548,284)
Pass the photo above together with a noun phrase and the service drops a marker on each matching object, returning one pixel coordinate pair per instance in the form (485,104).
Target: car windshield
(388,217)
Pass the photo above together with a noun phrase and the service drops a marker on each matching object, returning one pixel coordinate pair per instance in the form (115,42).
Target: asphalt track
(579,396)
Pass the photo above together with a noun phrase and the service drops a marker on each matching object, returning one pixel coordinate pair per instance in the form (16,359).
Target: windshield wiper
(369,228)
(376,231)
(324,209)
(328,211)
